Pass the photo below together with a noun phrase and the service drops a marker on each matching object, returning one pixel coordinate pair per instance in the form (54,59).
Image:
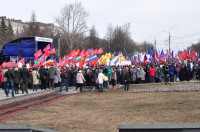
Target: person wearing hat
(16,80)
(24,76)
(80,79)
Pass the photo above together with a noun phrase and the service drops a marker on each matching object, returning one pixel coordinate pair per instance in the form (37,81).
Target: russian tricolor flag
(70,59)
(78,59)
(93,58)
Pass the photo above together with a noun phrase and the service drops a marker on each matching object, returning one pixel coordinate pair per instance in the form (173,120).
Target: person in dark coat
(52,73)
(127,80)
(194,71)
(182,73)
(10,77)
(64,78)
(24,76)
(30,79)
(198,72)
(188,72)
(16,80)
(46,78)
(42,77)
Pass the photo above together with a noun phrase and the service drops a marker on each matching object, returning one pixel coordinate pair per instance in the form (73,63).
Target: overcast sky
(147,17)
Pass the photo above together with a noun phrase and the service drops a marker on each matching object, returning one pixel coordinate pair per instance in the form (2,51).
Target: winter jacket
(134,71)
(139,73)
(24,75)
(41,72)
(10,75)
(35,75)
(52,73)
(3,74)
(2,78)
(152,72)
(30,79)
(143,74)
(63,76)
(127,78)
(17,77)
(195,69)
(80,78)
(171,70)
(58,74)
(100,78)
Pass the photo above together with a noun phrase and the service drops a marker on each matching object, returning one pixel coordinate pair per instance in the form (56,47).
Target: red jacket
(152,72)
(2,79)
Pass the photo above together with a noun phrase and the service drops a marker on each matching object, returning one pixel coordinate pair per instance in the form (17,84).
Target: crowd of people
(24,79)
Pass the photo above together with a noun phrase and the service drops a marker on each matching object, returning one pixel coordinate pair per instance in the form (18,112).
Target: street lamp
(168,32)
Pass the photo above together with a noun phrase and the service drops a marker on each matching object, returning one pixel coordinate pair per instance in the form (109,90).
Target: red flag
(4,64)
(73,53)
(38,53)
(12,64)
(92,53)
(100,51)
(22,61)
(96,51)
(78,51)
(8,64)
(46,54)
(52,51)
(87,52)
(47,48)
(82,54)
(184,55)
(192,54)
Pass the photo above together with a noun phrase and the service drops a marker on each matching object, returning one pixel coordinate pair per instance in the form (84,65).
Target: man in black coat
(24,76)
(10,77)
(16,80)
(42,77)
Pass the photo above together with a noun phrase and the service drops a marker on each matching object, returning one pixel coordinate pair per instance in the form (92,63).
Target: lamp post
(169,36)
(59,46)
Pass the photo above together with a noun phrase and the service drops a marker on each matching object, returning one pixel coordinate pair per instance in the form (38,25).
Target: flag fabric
(22,61)
(82,54)
(47,48)
(164,57)
(48,62)
(138,59)
(145,59)
(78,59)
(192,54)
(38,53)
(100,51)
(52,51)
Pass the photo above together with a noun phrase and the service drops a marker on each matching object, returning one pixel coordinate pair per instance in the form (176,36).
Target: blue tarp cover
(28,52)
(10,51)
(28,43)
(12,45)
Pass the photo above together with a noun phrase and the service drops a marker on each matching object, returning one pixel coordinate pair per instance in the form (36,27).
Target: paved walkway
(39,91)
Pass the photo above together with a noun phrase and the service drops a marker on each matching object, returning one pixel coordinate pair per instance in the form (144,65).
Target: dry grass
(93,111)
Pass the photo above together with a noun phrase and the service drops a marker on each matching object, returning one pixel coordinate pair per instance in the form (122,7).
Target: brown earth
(94,111)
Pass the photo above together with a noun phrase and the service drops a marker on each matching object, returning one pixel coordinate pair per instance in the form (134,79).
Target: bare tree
(109,35)
(73,22)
